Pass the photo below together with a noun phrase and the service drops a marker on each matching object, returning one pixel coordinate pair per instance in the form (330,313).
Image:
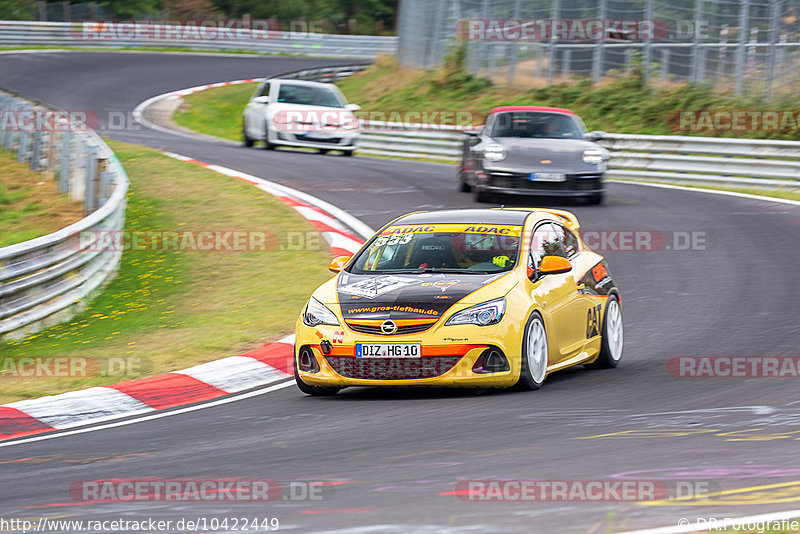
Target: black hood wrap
(405,296)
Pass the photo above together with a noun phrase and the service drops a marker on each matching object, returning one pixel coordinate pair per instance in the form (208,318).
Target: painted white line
(76,408)
(712,191)
(688,528)
(158,415)
(234,374)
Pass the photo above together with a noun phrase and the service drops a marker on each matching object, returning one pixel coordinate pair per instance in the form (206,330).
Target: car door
(563,306)
(256,111)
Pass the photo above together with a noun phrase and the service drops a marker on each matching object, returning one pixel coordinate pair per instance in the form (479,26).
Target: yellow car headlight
(485,314)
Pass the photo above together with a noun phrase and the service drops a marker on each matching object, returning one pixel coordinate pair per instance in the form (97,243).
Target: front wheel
(347,153)
(479,195)
(613,337)
(596,199)
(248,141)
(463,186)
(535,354)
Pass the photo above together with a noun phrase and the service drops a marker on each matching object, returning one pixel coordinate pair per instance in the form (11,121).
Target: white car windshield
(309,95)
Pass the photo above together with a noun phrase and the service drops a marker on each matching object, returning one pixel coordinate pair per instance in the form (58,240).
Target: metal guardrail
(49,279)
(72,34)
(672,158)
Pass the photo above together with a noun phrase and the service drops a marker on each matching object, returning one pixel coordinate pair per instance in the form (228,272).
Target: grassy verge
(775,193)
(171,309)
(30,204)
(216,111)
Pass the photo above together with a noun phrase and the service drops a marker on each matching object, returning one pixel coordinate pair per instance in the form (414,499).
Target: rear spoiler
(566,217)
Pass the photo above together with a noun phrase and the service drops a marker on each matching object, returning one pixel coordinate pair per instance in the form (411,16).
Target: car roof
(289,81)
(466,216)
(503,109)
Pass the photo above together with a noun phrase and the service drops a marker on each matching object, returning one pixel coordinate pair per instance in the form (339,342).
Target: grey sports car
(533,150)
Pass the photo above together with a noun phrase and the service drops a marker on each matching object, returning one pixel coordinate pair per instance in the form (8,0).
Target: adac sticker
(489,229)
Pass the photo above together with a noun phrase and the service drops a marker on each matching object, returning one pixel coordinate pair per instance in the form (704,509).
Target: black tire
(314,391)
(348,153)
(463,186)
(479,195)
(526,380)
(596,199)
(248,141)
(323,150)
(606,359)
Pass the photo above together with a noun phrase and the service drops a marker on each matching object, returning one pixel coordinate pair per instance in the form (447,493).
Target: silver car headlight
(484,314)
(494,153)
(594,156)
(316,313)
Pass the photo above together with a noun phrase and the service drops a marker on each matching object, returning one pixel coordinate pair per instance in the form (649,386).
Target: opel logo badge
(388,327)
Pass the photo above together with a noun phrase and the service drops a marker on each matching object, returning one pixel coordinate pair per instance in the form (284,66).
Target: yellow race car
(474,297)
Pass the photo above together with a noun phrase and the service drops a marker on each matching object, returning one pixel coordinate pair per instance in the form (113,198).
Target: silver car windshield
(309,95)
(535,124)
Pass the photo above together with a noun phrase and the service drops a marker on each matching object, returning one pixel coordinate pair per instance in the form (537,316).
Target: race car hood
(543,155)
(403,296)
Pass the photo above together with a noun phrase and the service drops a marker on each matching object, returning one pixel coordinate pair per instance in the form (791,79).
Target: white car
(301,114)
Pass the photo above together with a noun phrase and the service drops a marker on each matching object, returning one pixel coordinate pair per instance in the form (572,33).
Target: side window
(571,244)
(265,89)
(547,240)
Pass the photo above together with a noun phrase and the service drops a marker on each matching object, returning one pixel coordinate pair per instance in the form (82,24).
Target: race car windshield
(441,248)
(536,125)
(309,95)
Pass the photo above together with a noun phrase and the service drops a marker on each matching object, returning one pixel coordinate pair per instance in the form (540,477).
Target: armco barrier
(71,34)
(704,160)
(48,279)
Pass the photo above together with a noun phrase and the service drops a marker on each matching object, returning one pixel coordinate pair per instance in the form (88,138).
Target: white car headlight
(281,118)
(484,314)
(494,152)
(316,313)
(593,155)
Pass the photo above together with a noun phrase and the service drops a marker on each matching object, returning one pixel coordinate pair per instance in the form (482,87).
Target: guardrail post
(36,155)
(106,183)
(64,160)
(89,201)
(22,147)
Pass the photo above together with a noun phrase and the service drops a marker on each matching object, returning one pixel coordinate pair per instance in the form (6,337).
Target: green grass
(30,204)
(174,309)
(217,111)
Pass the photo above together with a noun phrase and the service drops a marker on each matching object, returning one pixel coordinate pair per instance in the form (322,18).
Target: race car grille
(329,140)
(408,329)
(574,182)
(392,368)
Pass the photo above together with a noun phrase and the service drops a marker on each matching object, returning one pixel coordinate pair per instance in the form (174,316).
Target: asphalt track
(399,454)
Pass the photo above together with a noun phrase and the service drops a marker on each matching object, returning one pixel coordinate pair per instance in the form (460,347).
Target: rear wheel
(613,337)
(314,391)
(535,354)
(323,150)
(347,153)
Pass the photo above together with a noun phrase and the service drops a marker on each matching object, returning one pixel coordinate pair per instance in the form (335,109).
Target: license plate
(312,136)
(388,350)
(547,177)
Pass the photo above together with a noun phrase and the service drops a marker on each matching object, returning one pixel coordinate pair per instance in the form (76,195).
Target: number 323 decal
(394,239)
